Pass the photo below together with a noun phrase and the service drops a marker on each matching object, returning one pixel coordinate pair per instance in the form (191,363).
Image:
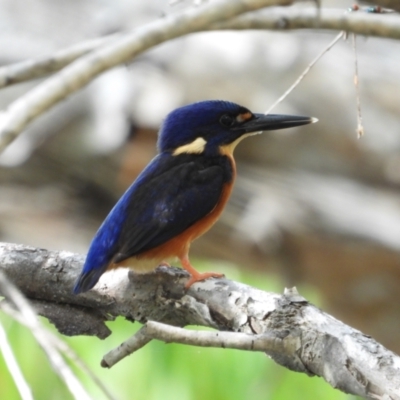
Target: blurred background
(313,207)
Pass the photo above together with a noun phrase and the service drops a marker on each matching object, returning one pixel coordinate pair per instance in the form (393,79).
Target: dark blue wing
(169,204)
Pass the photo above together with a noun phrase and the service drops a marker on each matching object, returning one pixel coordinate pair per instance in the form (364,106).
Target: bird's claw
(201,277)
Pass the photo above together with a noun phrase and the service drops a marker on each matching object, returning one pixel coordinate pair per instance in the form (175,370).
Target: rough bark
(304,338)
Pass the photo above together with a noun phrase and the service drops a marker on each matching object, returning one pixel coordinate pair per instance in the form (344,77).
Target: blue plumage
(202,119)
(181,193)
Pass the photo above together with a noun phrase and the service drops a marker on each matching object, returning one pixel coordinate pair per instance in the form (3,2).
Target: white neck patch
(196,147)
(227,149)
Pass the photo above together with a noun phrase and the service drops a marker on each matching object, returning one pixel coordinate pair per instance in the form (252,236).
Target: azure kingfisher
(180,194)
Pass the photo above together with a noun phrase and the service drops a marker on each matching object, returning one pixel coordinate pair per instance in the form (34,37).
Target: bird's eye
(227,120)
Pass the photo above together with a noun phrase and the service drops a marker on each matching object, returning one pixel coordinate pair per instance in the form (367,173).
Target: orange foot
(195,275)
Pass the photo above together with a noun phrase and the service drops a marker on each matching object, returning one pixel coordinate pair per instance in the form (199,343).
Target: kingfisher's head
(216,127)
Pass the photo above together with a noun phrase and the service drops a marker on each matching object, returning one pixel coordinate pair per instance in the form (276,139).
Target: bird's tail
(87,279)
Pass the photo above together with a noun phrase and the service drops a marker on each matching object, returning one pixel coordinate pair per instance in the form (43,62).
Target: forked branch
(290,330)
(82,63)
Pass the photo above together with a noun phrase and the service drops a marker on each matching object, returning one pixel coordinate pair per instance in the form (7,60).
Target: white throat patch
(196,147)
(227,149)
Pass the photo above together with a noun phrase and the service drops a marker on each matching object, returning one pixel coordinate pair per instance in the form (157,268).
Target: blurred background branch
(287,19)
(34,103)
(394,4)
(42,336)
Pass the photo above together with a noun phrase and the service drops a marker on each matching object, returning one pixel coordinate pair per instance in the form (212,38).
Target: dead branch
(379,25)
(122,49)
(290,330)
(362,23)
(33,69)
(76,75)
(394,4)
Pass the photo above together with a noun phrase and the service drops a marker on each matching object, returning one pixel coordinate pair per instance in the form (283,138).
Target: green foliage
(160,371)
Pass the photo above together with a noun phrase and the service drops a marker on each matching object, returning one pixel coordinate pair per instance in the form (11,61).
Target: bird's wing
(170,195)
(164,205)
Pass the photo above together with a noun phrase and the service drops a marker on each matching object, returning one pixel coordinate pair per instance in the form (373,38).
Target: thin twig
(70,353)
(135,342)
(41,336)
(22,385)
(306,71)
(360,127)
(173,334)
(225,340)
(62,347)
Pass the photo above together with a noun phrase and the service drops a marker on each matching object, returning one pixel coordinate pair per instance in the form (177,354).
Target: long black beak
(270,122)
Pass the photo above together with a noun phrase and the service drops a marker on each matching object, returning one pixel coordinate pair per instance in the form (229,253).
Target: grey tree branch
(362,23)
(293,332)
(394,4)
(172,334)
(82,71)
(379,25)
(32,69)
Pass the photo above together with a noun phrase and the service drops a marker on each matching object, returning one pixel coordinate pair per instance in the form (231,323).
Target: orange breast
(179,245)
